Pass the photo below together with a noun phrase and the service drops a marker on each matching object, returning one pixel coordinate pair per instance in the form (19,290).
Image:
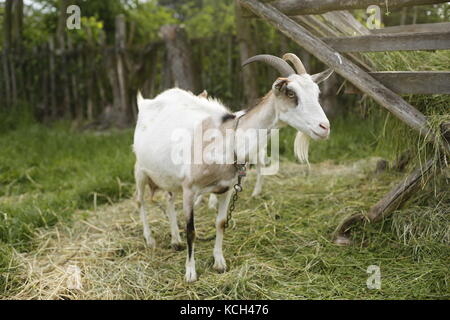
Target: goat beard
(301,147)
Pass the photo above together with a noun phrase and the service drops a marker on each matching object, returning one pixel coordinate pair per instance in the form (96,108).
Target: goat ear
(322,76)
(280,84)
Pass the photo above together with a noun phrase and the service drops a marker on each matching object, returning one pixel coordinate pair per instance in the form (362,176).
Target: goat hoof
(177,246)
(191,276)
(342,240)
(151,243)
(220,265)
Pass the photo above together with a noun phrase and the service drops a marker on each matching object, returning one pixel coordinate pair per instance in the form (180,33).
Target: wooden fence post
(247,50)
(123,106)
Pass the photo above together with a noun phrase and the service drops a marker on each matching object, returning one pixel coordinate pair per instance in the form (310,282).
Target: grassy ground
(64,201)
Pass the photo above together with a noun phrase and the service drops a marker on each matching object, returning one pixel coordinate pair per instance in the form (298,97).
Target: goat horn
(298,65)
(282,66)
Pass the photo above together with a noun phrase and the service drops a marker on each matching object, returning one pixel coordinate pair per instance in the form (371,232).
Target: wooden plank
(423,27)
(391,42)
(412,82)
(296,7)
(343,66)
(386,205)
(316,26)
(346,23)
(319,28)
(400,193)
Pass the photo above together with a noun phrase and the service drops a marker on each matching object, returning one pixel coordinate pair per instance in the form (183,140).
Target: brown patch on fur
(259,102)
(153,187)
(210,174)
(222,224)
(281,84)
(204,94)
(221,190)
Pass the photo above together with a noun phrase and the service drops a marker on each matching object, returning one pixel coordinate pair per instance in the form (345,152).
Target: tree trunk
(247,49)
(17,24)
(51,51)
(180,62)
(328,95)
(7,24)
(122,106)
(61,50)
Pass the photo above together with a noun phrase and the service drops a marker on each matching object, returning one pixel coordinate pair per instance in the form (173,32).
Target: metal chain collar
(241,170)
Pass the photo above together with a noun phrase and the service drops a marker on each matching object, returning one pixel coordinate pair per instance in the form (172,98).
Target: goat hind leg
(141,181)
(172,216)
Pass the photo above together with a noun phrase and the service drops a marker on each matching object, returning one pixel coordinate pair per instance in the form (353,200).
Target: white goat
(293,100)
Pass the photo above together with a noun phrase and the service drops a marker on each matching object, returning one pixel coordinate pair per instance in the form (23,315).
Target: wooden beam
(346,23)
(316,26)
(343,66)
(412,82)
(386,205)
(400,193)
(319,28)
(391,42)
(423,27)
(296,7)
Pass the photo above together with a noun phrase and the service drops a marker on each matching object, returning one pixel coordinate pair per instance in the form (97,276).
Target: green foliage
(19,117)
(91,31)
(148,18)
(201,21)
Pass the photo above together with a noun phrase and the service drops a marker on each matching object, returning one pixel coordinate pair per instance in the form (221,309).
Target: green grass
(47,173)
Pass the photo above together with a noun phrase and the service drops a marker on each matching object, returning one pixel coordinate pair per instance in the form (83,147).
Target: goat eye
(291,94)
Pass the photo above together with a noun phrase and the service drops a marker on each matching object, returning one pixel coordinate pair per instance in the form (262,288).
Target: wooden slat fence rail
(391,42)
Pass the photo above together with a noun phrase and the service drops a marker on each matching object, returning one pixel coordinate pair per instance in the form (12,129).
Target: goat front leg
(259,181)
(223,201)
(172,216)
(188,207)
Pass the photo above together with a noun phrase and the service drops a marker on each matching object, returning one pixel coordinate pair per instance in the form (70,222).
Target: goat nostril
(324,127)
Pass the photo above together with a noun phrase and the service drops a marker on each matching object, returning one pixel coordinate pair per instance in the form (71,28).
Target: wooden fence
(94,81)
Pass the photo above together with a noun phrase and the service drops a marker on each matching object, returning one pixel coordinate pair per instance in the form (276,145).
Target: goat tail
(301,147)
(139,99)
